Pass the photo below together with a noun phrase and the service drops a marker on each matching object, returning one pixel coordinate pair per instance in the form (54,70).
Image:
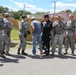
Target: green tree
(24,12)
(3,9)
(40,13)
(68,10)
(15,15)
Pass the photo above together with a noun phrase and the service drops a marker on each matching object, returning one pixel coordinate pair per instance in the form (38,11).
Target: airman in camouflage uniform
(1,37)
(6,33)
(70,34)
(59,29)
(23,33)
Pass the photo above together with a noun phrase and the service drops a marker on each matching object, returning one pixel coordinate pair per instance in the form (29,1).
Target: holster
(8,33)
(25,35)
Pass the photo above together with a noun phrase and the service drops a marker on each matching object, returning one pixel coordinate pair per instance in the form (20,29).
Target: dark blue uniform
(46,29)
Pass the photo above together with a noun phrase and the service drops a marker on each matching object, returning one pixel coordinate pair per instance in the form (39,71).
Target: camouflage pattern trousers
(58,39)
(69,40)
(22,42)
(1,42)
(6,43)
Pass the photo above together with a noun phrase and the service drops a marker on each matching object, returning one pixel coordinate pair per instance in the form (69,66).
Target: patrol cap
(24,16)
(58,16)
(71,15)
(32,18)
(6,14)
(46,16)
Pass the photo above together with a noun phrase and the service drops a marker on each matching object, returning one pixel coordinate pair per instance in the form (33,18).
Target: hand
(74,36)
(44,23)
(64,35)
(62,25)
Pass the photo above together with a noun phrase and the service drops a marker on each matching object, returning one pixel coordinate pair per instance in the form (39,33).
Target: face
(71,18)
(8,17)
(25,19)
(46,19)
(59,18)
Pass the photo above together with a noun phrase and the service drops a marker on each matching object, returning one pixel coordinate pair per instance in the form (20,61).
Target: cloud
(30,7)
(12,8)
(64,6)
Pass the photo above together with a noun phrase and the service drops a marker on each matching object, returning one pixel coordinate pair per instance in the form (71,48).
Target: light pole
(54,7)
(24,7)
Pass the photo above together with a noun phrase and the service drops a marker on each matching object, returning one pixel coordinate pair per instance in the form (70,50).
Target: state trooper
(23,33)
(1,37)
(6,33)
(69,39)
(58,29)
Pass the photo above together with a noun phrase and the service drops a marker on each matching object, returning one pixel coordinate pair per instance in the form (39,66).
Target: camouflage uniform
(6,34)
(23,32)
(1,36)
(59,29)
(69,36)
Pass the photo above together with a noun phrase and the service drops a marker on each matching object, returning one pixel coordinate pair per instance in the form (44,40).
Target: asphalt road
(33,65)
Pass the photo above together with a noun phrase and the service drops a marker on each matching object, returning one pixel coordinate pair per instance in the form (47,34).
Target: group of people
(46,33)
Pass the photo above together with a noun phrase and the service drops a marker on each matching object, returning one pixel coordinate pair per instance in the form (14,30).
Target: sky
(39,5)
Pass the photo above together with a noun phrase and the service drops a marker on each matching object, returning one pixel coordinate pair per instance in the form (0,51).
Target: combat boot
(73,52)
(23,53)
(18,51)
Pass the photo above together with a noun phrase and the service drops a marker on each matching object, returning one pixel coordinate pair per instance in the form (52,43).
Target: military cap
(71,15)
(6,14)
(58,16)
(24,16)
(32,17)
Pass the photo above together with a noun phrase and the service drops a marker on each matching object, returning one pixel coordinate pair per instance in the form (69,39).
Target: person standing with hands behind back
(36,35)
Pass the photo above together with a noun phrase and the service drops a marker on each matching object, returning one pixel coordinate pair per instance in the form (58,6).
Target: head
(46,18)
(24,17)
(59,18)
(33,18)
(71,17)
(7,15)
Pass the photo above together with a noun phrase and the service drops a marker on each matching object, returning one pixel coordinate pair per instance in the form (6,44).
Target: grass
(15,34)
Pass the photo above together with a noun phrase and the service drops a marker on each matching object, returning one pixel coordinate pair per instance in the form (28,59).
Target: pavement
(33,65)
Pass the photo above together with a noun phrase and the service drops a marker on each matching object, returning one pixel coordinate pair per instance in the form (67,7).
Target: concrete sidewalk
(33,65)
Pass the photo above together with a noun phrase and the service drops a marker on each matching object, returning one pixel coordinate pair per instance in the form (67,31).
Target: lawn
(15,34)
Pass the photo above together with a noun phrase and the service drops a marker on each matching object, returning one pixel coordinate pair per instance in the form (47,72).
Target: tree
(24,12)
(3,9)
(68,10)
(40,13)
(15,15)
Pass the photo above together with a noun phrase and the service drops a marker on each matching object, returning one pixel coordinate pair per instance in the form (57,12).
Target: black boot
(73,52)
(60,54)
(65,52)
(2,55)
(8,54)
(52,54)
(23,53)
(18,51)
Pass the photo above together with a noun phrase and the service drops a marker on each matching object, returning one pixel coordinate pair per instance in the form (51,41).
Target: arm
(9,25)
(75,30)
(33,27)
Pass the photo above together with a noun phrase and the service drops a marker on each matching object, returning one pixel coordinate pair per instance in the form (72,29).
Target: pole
(54,7)
(23,6)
